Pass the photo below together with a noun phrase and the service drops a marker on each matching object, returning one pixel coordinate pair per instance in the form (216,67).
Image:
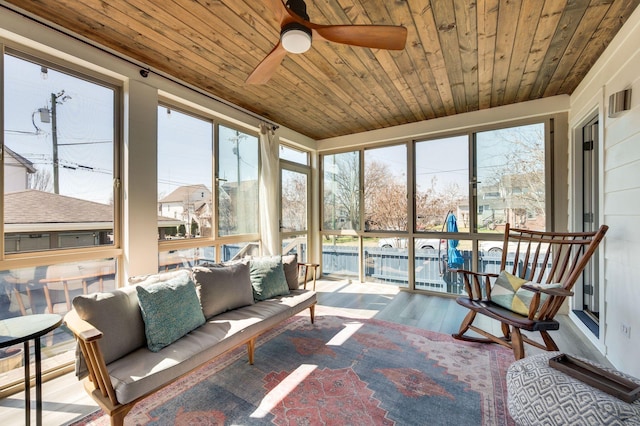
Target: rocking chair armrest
(474,283)
(478,274)
(550,291)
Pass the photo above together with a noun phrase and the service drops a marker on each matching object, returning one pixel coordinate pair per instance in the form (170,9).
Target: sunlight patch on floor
(283,389)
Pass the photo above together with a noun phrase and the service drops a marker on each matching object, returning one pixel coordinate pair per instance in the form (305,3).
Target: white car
(420,243)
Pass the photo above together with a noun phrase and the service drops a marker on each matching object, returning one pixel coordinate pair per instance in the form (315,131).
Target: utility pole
(54,134)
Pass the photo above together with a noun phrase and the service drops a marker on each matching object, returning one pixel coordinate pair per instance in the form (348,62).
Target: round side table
(21,330)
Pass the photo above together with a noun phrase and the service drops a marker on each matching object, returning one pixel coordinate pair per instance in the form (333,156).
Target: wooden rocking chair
(541,268)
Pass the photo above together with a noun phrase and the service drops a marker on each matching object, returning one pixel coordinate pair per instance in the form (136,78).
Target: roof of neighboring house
(24,209)
(20,159)
(183,193)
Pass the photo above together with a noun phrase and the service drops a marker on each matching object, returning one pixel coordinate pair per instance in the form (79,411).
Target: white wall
(617,69)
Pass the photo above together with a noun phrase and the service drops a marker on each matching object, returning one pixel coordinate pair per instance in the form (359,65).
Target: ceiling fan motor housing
(295,37)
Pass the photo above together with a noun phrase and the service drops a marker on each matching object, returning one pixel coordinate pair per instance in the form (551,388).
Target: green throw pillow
(267,277)
(170,309)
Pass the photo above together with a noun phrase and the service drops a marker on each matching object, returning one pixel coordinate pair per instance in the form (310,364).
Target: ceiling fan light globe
(296,39)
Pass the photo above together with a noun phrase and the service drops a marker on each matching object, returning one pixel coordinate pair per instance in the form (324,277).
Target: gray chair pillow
(223,288)
(290,266)
(117,315)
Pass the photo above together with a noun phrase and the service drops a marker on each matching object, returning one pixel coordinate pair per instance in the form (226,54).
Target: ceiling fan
(296,32)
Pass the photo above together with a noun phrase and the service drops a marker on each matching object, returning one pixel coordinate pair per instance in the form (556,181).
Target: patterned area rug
(339,371)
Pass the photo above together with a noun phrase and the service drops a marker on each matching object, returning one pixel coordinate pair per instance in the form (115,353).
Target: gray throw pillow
(223,288)
(290,266)
(170,309)
(117,315)
(267,277)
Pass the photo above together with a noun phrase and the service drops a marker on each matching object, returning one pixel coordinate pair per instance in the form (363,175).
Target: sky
(84,116)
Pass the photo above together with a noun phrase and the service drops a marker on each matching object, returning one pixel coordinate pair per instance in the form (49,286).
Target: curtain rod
(144,69)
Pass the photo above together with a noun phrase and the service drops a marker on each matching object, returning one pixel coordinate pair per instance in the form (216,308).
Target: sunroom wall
(619,188)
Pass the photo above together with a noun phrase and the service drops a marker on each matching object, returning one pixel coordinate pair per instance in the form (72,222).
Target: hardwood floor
(64,399)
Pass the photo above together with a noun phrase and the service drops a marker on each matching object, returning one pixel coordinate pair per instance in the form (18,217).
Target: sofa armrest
(88,337)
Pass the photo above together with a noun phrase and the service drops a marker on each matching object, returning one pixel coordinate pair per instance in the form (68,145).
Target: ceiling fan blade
(373,36)
(278,8)
(265,69)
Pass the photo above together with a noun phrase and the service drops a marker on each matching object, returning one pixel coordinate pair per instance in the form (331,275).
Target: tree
(182,230)
(294,201)
(41,180)
(385,199)
(194,227)
(342,195)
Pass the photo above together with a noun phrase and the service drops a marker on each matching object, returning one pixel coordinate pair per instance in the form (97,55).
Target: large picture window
(464,189)
(58,159)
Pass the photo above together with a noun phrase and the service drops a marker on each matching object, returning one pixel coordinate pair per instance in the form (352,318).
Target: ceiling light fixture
(295,38)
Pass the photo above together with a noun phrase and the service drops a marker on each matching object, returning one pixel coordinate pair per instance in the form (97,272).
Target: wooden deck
(64,399)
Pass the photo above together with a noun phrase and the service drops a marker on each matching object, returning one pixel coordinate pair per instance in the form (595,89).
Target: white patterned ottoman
(541,395)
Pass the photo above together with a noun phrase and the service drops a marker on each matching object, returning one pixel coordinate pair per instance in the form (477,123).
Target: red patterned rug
(339,371)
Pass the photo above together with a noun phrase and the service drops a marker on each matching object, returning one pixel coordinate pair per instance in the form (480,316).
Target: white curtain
(269,176)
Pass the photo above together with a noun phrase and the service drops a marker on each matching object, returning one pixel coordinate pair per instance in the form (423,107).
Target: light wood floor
(64,399)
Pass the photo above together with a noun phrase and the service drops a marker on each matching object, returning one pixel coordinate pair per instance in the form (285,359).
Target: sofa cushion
(144,280)
(290,266)
(267,277)
(223,288)
(117,315)
(170,309)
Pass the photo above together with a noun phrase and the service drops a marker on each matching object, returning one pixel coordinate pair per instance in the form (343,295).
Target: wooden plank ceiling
(460,55)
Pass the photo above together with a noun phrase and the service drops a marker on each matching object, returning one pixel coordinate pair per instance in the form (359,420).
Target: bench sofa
(128,344)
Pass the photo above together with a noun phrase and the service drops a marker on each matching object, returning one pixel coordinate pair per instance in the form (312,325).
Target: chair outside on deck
(66,280)
(537,273)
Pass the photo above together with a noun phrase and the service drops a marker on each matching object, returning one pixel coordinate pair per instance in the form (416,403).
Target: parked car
(420,243)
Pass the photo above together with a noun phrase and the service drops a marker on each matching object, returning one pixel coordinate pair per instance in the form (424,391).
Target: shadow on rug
(339,371)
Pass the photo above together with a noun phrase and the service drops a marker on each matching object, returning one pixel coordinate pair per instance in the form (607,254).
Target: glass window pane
(58,159)
(294,201)
(185,158)
(237,182)
(238,251)
(295,245)
(386,260)
(341,191)
(340,256)
(385,188)
(293,155)
(442,176)
(434,267)
(511,178)
(50,289)
(185,258)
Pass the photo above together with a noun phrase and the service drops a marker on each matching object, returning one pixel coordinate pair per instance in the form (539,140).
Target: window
(58,194)
(58,159)
(461,201)
(237,182)
(185,175)
(385,188)
(341,185)
(511,178)
(294,155)
(442,182)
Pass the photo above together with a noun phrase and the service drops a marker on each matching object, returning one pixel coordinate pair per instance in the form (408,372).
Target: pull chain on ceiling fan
(297,31)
